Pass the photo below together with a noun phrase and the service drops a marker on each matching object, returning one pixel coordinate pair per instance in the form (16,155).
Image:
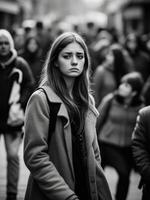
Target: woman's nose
(74,60)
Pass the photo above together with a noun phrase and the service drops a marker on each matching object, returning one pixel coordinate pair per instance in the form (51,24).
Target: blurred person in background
(90,32)
(106,77)
(140,59)
(19,39)
(98,53)
(16,83)
(146,91)
(99,48)
(146,88)
(32,53)
(43,36)
(115,125)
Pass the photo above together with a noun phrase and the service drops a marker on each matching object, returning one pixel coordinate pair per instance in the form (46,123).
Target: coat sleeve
(36,155)
(141,142)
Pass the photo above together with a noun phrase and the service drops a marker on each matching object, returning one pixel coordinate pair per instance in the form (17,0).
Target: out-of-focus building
(71,11)
(136,16)
(39,9)
(128,15)
(13,12)
(9,11)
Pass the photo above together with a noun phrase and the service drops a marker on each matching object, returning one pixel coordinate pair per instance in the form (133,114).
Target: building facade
(128,15)
(9,12)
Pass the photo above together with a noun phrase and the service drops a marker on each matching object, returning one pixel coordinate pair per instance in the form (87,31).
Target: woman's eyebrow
(80,52)
(68,52)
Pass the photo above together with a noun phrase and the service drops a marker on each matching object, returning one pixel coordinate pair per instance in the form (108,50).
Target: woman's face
(110,57)
(32,45)
(125,90)
(71,60)
(4,46)
(132,44)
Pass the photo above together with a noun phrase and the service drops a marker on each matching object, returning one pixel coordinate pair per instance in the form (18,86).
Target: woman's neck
(127,100)
(70,83)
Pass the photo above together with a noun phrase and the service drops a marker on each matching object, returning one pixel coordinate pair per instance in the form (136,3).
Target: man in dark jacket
(16,82)
(141,149)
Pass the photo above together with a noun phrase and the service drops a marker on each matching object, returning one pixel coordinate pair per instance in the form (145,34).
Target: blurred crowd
(112,55)
(118,63)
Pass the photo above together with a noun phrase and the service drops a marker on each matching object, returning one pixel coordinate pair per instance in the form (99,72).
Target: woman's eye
(80,56)
(66,56)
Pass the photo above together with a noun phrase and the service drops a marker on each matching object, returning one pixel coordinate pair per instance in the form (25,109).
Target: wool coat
(50,162)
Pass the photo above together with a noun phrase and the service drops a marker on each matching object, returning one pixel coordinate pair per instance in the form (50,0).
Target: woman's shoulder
(37,96)
(46,92)
(21,61)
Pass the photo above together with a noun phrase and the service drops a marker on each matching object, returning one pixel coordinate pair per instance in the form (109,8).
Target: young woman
(115,125)
(66,166)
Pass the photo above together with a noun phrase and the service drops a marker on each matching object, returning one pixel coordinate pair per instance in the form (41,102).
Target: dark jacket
(51,162)
(9,71)
(141,143)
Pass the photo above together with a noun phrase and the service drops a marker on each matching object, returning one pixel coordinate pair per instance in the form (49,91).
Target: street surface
(134,193)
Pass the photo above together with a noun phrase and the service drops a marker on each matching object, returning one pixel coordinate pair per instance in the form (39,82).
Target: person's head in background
(67,70)
(101,49)
(133,43)
(39,26)
(130,88)
(6,46)
(32,45)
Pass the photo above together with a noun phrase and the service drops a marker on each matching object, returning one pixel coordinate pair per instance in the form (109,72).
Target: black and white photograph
(74,99)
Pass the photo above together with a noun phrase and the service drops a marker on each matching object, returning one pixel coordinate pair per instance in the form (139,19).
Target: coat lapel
(68,142)
(67,129)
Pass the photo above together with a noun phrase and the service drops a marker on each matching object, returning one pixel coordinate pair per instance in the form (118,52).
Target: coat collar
(54,98)
(11,59)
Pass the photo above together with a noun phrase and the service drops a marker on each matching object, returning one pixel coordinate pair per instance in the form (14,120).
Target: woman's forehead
(72,47)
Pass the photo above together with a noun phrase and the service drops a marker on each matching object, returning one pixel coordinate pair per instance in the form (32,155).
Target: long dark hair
(52,75)
(120,67)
